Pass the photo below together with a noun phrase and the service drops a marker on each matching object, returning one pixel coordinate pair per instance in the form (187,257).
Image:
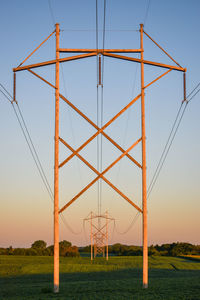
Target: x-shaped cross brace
(99,130)
(100,175)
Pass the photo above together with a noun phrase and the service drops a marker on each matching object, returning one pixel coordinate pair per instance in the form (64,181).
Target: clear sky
(174,204)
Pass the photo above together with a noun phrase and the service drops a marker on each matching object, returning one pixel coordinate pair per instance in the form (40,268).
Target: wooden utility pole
(56,170)
(144,183)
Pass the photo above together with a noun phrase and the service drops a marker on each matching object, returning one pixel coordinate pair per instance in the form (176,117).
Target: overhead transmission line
(147,11)
(102,102)
(167,147)
(51,12)
(100,79)
(34,154)
(72,129)
(97,108)
(173,132)
(65,92)
(28,139)
(135,218)
(130,226)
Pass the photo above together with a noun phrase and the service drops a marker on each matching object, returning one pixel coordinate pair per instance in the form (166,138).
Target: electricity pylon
(75,152)
(99,233)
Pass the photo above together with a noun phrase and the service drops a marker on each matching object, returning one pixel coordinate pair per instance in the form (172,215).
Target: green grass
(170,278)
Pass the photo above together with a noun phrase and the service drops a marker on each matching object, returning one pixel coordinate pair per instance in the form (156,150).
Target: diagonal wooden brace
(89,120)
(98,173)
(100,130)
(100,176)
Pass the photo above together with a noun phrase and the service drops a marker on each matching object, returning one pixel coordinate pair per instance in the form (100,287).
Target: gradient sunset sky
(26,211)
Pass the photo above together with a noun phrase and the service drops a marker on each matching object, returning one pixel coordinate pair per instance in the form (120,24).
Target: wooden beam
(98,51)
(159,77)
(162,49)
(100,130)
(97,172)
(98,177)
(147,62)
(36,49)
(51,62)
(88,120)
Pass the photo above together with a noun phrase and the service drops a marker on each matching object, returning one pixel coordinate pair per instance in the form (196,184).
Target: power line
(130,226)
(33,156)
(133,89)
(35,152)
(170,139)
(51,12)
(102,103)
(6,92)
(164,150)
(167,147)
(29,141)
(97,108)
(115,30)
(68,226)
(65,91)
(147,10)
(32,149)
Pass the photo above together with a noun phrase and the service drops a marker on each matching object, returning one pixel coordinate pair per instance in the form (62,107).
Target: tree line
(174,249)
(39,247)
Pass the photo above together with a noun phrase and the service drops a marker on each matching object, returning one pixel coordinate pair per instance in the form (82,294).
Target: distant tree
(153,251)
(40,244)
(64,244)
(118,249)
(181,249)
(63,247)
(10,250)
(72,252)
(19,251)
(31,252)
(50,250)
(133,251)
(85,249)
(3,251)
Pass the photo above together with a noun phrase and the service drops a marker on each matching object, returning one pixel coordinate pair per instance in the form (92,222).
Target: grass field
(170,278)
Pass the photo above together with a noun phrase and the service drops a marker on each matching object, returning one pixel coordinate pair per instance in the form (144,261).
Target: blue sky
(173,207)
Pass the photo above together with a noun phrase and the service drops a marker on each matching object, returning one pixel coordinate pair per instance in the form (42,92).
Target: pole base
(56,288)
(145,285)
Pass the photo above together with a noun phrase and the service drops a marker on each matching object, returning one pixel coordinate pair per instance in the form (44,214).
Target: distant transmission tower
(99,234)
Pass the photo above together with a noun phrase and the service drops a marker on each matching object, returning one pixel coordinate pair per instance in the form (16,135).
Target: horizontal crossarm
(100,176)
(147,62)
(98,216)
(52,62)
(88,120)
(100,130)
(97,172)
(99,51)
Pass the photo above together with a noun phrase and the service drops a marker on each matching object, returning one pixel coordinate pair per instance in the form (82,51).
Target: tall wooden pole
(56,171)
(144,187)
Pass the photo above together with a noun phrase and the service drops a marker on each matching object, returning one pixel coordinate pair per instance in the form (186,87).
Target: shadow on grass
(120,284)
